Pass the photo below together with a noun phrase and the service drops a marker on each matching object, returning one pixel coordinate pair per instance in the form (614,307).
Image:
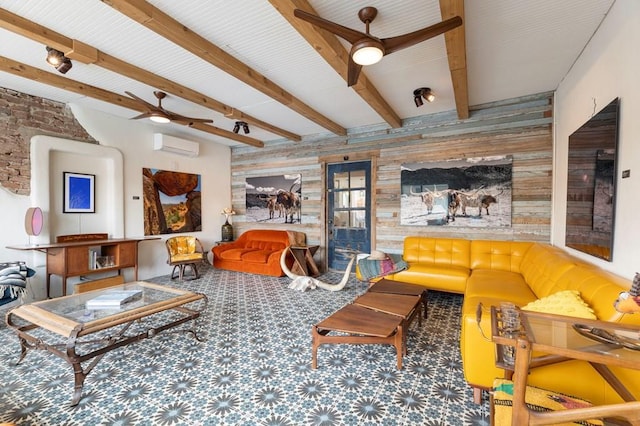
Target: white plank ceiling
(514,48)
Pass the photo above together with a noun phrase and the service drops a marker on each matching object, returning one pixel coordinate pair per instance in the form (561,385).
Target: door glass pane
(341,180)
(357,219)
(341,200)
(358,198)
(341,219)
(357,179)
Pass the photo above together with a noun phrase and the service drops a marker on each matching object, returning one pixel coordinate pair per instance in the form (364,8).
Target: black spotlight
(56,59)
(417,98)
(423,92)
(245,127)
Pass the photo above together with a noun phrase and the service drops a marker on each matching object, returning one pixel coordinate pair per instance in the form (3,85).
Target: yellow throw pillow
(567,302)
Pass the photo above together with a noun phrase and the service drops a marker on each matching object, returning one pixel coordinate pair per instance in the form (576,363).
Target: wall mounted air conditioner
(175,145)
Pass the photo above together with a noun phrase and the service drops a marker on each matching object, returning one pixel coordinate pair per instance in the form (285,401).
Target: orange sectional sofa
(490,272)
(257,252)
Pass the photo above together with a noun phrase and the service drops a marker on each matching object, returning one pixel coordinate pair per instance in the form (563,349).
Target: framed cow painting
(469,192)
(274,199)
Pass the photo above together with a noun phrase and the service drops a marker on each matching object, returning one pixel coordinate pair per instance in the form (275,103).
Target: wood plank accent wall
(518,127)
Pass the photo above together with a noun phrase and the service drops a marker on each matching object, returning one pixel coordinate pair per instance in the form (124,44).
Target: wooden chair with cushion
(184,251)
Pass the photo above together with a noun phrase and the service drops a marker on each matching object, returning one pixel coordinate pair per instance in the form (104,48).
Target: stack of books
(113,299)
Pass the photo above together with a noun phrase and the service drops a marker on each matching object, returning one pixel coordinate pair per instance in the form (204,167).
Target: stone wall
(21,117)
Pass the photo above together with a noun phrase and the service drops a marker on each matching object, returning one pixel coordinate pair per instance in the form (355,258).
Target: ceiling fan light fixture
(423,93)
(367,52)
(157,118)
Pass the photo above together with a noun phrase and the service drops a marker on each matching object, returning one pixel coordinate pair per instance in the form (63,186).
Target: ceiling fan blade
(393,44)
(144,115)
(147,104)
(346,33)
(353,72)
(187,121)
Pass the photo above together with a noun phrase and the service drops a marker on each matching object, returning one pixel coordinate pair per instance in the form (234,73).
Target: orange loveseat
(257,251)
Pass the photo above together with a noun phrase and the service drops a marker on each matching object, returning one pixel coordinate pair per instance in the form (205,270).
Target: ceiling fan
(367,49)
(161,115)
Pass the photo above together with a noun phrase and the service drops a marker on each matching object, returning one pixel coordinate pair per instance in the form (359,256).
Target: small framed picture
(79,193)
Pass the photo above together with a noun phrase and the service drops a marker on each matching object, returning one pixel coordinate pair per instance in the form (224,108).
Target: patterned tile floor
(253,369)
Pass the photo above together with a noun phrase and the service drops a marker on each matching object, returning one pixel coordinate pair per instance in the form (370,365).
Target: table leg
(314,347)
(79,377)
(615,383)
(23,350)
(48,285)
(399,344)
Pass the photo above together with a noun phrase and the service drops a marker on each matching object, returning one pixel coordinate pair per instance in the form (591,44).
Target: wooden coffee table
(399,287)
(404,306)
(63,325)
(359,325)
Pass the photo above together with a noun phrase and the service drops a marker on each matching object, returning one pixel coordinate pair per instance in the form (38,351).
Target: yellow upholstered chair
(184,251)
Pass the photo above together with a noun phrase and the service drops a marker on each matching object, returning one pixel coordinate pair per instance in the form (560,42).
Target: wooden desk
(72,259)
(303,263)
(559,337)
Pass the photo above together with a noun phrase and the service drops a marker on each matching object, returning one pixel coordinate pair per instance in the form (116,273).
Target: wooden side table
(303,263)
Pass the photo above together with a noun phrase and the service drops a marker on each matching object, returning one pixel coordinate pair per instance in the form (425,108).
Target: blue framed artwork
(79,193)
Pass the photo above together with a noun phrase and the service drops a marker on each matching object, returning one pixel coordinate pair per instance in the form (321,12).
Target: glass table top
(74,307)
(620,341)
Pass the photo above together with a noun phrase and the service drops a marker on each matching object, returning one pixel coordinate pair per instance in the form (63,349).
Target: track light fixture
(244,125)
(423,92)
(56,59)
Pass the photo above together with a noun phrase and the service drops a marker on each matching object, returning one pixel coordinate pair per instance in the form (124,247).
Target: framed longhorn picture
(469,192)
(274,199)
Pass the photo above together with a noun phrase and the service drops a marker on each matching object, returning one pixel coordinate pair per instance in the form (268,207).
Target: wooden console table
(72,259)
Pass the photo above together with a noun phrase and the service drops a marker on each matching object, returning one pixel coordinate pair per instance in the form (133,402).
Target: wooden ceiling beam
(164,25)
(80,51)
(457,55)
(49,78)
(330,48)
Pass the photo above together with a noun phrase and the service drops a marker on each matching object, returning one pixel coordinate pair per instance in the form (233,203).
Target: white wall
(609,67)
(121,214)
(135,140)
